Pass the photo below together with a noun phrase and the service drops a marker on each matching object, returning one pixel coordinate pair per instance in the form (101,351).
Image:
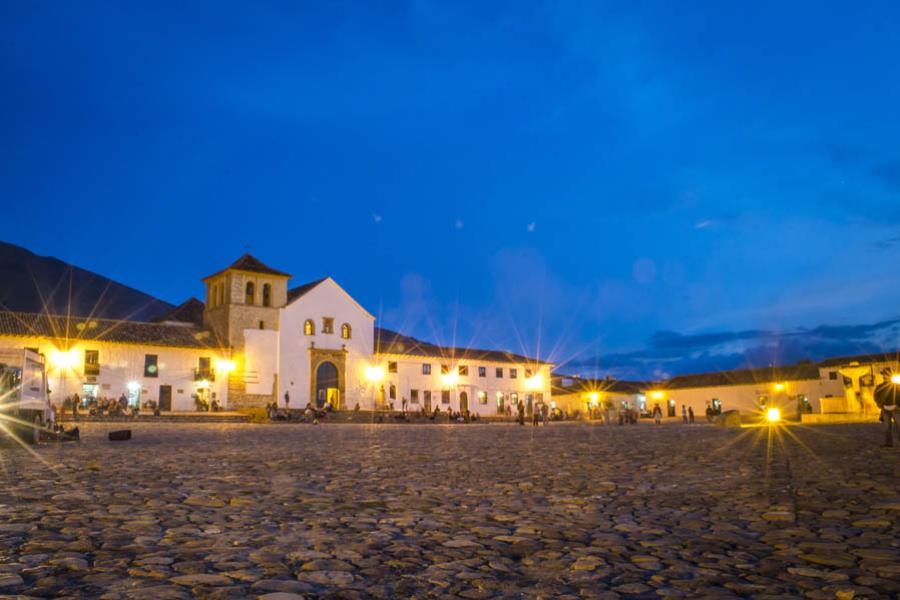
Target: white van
(24,403)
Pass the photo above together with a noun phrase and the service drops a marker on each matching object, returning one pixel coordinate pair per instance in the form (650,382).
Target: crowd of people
(101,406)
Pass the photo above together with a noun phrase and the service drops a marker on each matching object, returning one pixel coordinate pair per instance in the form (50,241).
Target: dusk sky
(644,188)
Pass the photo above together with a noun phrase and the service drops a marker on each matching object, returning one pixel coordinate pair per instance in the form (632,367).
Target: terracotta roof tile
(391,342)
(302,290)
(18,324)
(252,264)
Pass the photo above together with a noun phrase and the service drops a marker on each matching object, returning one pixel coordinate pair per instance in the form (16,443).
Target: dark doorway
(463,402)
(426,400)
(327,389)
(165,397)
(671,411)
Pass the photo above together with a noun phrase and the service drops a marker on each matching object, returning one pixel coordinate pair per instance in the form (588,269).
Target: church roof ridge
(251,264)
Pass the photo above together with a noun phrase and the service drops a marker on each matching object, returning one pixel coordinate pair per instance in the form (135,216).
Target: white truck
(24,402)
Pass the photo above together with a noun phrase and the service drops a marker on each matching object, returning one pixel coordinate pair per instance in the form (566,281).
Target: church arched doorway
(327,388)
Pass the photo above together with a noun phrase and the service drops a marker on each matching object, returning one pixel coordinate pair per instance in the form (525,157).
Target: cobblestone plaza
(477,511)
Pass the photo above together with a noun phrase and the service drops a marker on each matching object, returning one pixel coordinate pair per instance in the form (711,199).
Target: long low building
(255,341)
(837,387)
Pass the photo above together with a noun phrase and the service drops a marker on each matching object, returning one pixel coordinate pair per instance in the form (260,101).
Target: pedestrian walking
(684,417)
(657,414)
(545,413)
(691,415)
(886,397)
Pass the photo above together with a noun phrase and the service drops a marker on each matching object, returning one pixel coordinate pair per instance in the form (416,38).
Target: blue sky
(569,179)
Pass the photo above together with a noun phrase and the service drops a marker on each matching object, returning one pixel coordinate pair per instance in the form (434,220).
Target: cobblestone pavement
(478,511)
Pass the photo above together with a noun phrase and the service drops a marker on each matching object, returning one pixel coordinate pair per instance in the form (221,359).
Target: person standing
(684,416)
(545,413)
(75,401)
(520,407)
(886,397)
(691,415)
(657,413)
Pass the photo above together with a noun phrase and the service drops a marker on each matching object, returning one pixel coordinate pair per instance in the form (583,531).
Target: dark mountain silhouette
(41,284)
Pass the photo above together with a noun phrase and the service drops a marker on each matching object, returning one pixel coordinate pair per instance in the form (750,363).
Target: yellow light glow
(203,384)
(535,382)
(594,397)
(657,395)
(225,366)
(374,373)
(134,386)
(64,359)
(895,379)
(773,415)
(779,387)
(449,378)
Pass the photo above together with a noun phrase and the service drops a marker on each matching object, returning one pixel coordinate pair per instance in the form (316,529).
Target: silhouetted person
(887,395)
(684,416)
(691,415)
(520,407)
(657,413)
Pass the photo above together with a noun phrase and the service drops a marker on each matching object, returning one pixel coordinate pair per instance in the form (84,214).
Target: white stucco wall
(121,364)
(260,360)
(743,398)
(409,377)
(327,299)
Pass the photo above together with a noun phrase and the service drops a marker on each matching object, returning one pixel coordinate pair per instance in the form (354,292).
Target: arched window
(250,293)
(267,294)
(309,328)
(345,331)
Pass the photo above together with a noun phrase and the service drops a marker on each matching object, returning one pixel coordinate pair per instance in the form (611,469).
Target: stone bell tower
(245,295)
(242,307)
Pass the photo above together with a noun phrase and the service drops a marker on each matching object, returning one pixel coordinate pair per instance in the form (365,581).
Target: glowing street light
(657,395)
(779,387)
(449,379)
(225,365)
(895,379)
(773,415)
(535,382)
(374,373)
(64,359)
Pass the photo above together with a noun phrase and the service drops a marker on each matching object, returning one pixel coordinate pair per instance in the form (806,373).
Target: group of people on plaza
(74,405)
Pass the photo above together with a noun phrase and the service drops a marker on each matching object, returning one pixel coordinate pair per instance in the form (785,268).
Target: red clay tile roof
(804,371)
(882,357)
(252,264)
(574,385)
(189,311)
(60,327)
(391,342)
(302,290)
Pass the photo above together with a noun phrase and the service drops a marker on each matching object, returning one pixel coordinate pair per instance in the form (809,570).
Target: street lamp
(773,415)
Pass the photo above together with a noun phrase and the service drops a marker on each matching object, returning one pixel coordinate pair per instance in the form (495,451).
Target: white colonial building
(256,341)
(172,364)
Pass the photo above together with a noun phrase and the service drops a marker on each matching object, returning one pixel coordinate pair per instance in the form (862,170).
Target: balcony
(204,375)
(91,369)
